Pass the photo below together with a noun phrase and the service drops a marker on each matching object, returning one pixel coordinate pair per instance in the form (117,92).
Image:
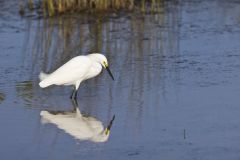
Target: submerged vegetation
(2,97)
(56,7)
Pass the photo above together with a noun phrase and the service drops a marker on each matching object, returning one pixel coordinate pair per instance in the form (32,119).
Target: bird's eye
(105,63)
(107,131)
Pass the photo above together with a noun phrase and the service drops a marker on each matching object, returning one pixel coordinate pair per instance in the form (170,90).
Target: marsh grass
(56,7)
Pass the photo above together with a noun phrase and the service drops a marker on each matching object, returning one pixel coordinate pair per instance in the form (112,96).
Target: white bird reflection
(77,125)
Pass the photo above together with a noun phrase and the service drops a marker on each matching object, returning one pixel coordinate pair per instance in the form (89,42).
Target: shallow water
(175,94)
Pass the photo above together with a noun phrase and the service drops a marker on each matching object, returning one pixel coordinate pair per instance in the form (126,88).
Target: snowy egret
(77,125)
(75,71)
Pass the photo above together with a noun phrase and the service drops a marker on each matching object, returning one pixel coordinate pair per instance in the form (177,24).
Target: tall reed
(55,7)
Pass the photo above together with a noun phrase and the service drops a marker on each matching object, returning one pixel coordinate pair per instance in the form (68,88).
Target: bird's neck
(95,57)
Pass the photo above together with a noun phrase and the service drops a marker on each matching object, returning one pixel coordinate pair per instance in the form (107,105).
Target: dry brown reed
(56,7)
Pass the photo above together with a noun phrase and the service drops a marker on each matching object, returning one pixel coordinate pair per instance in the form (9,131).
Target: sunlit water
(175,94)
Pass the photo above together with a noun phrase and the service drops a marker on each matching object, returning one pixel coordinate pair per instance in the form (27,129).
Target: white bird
(77,125)
(75,71)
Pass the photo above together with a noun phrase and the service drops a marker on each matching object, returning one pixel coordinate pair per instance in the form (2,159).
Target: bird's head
(100,58)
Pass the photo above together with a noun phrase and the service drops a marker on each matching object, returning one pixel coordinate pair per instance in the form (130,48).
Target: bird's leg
(75,105)
(73,95)
(76,90)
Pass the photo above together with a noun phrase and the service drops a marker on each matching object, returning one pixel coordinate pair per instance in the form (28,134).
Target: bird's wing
(73,70)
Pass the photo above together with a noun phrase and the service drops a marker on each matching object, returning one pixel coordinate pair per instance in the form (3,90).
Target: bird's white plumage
(72,71)
(75,71)
(42,76)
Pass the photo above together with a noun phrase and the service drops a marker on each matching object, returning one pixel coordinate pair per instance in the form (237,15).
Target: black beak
(110,124)
(110,73)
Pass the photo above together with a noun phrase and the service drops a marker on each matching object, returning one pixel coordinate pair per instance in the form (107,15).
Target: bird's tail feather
(42,76)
